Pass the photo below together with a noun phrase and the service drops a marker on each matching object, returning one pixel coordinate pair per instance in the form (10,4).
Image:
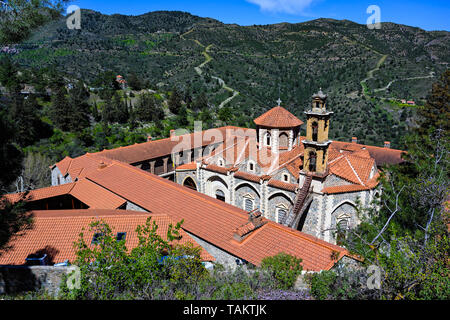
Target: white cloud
(284,6)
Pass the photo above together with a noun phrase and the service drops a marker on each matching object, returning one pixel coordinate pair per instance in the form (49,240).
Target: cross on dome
(279,102)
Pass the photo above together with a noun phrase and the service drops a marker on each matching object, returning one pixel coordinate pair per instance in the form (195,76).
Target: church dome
(278,117)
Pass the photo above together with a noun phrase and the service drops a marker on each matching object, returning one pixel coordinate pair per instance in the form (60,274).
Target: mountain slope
(358,68)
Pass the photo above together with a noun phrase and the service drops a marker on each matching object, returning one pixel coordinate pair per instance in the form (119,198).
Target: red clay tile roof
(43,193)
(345,188)
(381,155)
(247,176)
(54,232)
(211,219)
(187,166)
(78,168)
(95,196)
(283,185)
(278,117)
(159,148)
(273,238)
(213,167)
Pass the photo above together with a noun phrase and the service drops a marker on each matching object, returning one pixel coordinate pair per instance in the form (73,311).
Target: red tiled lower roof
(283,185)
(278,117)
(247,176)
(55,232)
(345,188)
(39,194)
(95,196)
(211,219)
(187,166)
(213,167)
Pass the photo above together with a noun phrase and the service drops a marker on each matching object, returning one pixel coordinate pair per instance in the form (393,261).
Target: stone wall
(224,258)
(19,279)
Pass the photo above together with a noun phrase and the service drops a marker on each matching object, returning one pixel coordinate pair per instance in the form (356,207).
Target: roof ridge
(184,190)
(286,163)
(305,236)
(354,171)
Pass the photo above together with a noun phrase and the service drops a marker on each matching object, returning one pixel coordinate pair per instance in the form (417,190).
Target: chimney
(387,144)
(354,140)
(255,221)
(172,133)
(102,165)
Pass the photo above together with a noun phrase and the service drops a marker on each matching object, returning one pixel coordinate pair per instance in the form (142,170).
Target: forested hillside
(231,74)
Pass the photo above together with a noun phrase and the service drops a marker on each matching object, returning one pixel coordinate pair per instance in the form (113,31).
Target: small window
(343,224)
(251,166)
(220,195)
(248,204)
(285,177)
(220,163)
(96,237)
(342,227)
(281,213)
(268,139)
(121,236)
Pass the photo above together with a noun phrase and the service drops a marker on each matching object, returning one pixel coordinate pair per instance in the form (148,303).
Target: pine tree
(148,109)
(134,82)
(58,110)
(29,127)
(200,102)
(175,101)
(78,108)
(107,111)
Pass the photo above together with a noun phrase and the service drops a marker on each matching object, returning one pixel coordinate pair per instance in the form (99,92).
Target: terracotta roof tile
(55,232)
(278,117)
(95,196)
(381,155)
(247,176)
(43,193)
(345,188)
(187,166)
(283,185)
(159,148)
(211,219)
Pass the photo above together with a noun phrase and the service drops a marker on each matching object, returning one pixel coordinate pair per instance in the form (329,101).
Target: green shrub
(321,284)
(284,268)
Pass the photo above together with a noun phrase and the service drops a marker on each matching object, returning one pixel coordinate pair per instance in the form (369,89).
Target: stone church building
(308,183)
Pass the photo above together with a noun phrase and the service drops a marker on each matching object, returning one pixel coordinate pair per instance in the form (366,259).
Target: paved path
(208,59)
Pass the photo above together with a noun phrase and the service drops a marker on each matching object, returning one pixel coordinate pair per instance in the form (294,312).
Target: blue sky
(428,15)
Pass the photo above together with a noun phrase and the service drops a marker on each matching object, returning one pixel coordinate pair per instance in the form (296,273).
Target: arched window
(268,139)
(220,163)
(342,227)
(251,166)
(284,140)
(312,161)
(315,130)
(220,195)
(190,183)
(281,213)
(249,204)
(285,177)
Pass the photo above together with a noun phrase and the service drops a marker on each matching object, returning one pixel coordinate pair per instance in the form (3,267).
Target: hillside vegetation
(364,72)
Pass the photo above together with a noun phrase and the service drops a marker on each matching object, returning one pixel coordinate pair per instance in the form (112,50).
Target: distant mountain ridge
(356,66)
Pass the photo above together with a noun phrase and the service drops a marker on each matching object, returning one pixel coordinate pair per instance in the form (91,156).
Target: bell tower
(317,143)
